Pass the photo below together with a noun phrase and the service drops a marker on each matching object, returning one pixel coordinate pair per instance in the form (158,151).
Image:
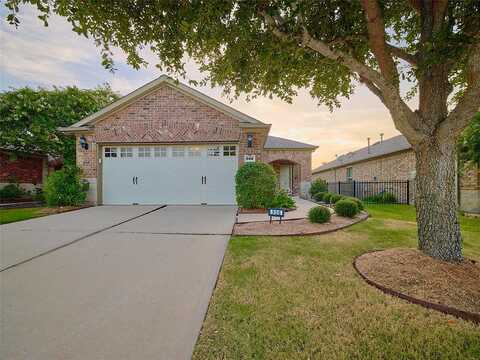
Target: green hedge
(282,200)
(334,198)
(255,185)
(346,208)
(357,201)
(11,191)
(382,198)
(319,214)
(319,196)
(65,188)
(317,186)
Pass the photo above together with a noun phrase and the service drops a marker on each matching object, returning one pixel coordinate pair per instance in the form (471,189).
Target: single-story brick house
(29,170)
(391,160)
(169,143)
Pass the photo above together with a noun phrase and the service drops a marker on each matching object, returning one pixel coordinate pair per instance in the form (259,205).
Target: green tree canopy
(469,143)
(29,117)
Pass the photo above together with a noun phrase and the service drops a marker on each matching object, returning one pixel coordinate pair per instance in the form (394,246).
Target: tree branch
(371,86)
(469,103)
(377,41)
(402,54)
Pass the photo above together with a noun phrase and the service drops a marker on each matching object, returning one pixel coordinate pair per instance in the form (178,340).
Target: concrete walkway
(303,206)
(139,290)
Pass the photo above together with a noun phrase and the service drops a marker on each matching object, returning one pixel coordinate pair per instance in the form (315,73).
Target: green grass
(12,215)
(300,298)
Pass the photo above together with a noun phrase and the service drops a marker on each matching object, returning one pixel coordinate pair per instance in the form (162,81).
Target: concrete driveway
(133,289)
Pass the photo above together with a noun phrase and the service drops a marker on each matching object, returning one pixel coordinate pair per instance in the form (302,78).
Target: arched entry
(288,175)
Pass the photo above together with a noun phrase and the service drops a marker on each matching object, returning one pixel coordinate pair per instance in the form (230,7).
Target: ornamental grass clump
(319,215)
(346,208)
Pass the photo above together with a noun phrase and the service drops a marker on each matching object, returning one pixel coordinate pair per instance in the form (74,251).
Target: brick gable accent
(167,115)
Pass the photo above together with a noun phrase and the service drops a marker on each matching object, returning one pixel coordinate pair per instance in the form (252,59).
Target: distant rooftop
(385,147)
(274,142)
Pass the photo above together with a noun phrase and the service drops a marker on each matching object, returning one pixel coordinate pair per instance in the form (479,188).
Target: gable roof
(84,124)
(385,147)
(274,142)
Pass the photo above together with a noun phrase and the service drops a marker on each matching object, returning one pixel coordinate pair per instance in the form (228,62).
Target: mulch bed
(296,227)
(61,209)
(409,274)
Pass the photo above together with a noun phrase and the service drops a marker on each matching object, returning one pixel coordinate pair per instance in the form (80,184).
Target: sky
(34,55)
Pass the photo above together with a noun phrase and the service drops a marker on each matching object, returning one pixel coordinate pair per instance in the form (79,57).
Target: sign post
(276,212)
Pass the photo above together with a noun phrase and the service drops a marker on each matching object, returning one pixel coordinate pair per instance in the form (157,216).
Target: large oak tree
(327,46)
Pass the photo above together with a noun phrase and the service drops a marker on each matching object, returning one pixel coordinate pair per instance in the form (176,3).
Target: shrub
(346,208)
(65,187)
(357,201)
(319,196)
(382,198)
(326,197)
(255,185)
(282,200)
(317,186)
(319,214)
(335,197)
(11,191)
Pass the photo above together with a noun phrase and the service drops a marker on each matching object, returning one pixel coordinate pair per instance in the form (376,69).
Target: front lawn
(300,298)
(12,215)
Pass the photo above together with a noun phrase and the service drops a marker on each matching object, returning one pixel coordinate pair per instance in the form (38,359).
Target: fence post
(408,192)
(354,189)
(339,188)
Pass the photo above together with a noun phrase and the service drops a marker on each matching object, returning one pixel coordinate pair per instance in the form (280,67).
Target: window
(249,158)
(178,151)
(110,152)
(126,152)
(349,174)
(160,151)
(194,151)
(213,151)
(144,152)
(229,150)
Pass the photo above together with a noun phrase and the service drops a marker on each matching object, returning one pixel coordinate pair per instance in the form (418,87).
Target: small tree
(29,118)
(317,186)
(255,185)
(65,187)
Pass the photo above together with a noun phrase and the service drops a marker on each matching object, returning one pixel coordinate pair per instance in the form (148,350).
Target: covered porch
(288,175)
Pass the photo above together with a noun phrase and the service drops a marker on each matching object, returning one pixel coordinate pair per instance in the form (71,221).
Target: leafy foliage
(326,197)
(11,191)
(255,185)
(469,143)
(334,198)
(346,208)
(381,198)
(355,200)
(29,117)
(319,196)
(319,214)
(282,200)
(65,187)
(317,186)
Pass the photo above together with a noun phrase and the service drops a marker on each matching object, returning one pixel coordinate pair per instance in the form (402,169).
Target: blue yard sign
(276,212)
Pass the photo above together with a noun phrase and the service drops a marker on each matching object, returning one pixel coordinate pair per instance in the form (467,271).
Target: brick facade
(166,115)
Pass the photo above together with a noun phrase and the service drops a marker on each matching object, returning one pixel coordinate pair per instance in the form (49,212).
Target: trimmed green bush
(382,198)
(11,191)
(317,186)
(319,214)
(346,208)
(255,185)
(357,201)
(335,197)
(326,197)
(65,187)
(319,196)
(282,200)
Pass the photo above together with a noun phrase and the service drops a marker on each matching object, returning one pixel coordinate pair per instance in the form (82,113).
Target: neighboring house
(29,170)
(168,143)
(391,160)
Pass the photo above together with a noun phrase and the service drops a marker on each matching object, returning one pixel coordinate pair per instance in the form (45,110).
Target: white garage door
(193,174)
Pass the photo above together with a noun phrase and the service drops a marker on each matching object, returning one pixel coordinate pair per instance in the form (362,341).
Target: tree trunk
(436,200)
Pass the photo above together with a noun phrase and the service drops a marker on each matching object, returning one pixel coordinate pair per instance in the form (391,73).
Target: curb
(465,315)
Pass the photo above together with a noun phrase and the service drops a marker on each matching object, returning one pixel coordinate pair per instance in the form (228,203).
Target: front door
(285,178)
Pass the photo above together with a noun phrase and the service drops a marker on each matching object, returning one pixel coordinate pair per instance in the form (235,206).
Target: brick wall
(399,166)
(259,138)
(28,169)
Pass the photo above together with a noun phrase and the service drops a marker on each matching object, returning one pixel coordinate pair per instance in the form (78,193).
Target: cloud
(35,55)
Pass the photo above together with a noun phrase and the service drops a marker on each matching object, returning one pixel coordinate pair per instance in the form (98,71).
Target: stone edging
(363,216)
(465,315)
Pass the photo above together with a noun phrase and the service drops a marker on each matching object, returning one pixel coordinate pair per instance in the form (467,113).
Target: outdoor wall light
(83,143)
(249,140)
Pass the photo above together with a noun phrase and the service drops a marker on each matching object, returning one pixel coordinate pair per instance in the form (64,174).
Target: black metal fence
(366,190)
